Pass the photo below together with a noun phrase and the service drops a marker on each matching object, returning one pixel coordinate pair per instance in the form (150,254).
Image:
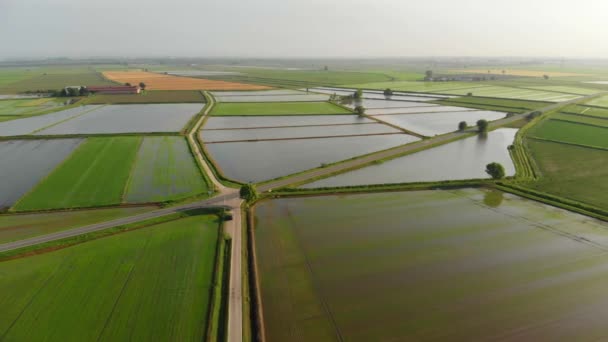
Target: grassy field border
(256,309)
(217,316)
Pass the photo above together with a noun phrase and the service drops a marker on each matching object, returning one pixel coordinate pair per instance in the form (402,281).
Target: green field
(459,265)
(589,120)
(572,133)
(600,101)
(464,88)
(153,96)
(164,170)
(94,175)
(10,75)
(301,78)
(18,227)
(507,105)
(277,108)
(421,87)
(573,172)
(565,89)
(514,93)
(587,111)
(151,284)
(50,79)
(27,107)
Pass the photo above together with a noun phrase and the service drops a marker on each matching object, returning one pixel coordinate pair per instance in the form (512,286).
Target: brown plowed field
(155,81)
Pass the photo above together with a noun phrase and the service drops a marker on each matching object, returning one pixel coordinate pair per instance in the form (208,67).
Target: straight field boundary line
(291,126)
(65,120)
(303,138)
(568,143)
(127,187)
(48,175)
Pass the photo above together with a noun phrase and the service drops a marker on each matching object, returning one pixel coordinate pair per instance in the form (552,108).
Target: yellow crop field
(155,81)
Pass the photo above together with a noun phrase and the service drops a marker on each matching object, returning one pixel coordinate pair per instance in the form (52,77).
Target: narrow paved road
(229,197)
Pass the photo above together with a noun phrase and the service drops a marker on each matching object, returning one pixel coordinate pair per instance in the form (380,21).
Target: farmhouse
(115,89)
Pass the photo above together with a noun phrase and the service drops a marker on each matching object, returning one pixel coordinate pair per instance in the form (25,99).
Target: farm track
(229,198)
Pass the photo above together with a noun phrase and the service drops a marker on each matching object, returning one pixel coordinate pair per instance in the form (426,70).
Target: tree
(128,84)
(482,125)
(358,94)
(388,92)
(462,125)
(495,170)
(360,110)
(142,85)
(546,77)
(325,68)
(73,92)
(428,74)
(248,192)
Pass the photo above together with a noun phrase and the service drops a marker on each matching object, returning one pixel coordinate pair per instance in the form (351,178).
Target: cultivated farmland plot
(24,107)
(195,73)
(565,89)
(417,109)
(438,123)
(600,101)
(23,163)
(227,122)
(155,81)
(572,133)
(377,94)
(463,159)
(515,93)
(136,118)
(30,125)
(589,120)
(413,86)
(17,97)
(24,226)
(265,160)
(148,284)
(278,108)
(210,136)
(257,93)
(164,170)
(274,98)
(94,175)
(560,165)
(480,264)
(371,104)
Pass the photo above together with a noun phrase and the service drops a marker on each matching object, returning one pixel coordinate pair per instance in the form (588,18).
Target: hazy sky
(303,28)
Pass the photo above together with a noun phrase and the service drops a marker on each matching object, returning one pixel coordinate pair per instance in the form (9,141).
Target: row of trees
(142,85)
(482,126)
(70,92)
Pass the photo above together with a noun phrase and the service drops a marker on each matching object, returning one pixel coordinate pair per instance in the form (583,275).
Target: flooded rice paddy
(228,122)
(438,123)
(480,264)
(33,124)
(463,159)
(24,163)
(210,136)
(265,160)
(136,118)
